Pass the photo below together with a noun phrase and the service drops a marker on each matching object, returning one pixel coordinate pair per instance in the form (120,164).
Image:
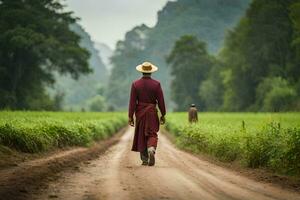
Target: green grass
(265,140)
(40,131)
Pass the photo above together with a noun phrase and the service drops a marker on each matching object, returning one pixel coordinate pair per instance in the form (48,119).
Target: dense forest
(250,66)
(261,58)
(257,69)
(206,19)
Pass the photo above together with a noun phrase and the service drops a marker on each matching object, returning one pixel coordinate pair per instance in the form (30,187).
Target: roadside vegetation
(34,132)
(261,140)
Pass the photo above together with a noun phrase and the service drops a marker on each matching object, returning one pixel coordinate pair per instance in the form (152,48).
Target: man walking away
(145,94)
(193,116)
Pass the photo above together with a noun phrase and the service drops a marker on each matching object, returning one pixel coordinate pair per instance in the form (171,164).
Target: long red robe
(145,94)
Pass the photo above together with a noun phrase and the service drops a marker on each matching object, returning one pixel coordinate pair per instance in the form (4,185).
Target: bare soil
(117,174)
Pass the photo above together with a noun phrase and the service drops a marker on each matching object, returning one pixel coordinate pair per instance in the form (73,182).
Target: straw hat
(146,67)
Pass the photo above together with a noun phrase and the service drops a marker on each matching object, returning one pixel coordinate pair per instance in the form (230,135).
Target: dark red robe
(145,94)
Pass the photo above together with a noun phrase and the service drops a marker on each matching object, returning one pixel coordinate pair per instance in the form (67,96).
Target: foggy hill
(104,52)
(207,19)
(78,92)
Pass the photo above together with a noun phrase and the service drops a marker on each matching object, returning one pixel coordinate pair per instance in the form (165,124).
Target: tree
(259,46)
(211,89)
(275,94)
(36,41)
(237,77)
(190,64)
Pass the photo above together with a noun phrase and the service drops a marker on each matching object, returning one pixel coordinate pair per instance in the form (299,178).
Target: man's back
(146,90)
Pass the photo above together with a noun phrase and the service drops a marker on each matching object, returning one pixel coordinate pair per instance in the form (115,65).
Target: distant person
(145,94)
(193,115)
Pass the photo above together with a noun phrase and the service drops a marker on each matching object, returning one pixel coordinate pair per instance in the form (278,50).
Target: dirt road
(117,174)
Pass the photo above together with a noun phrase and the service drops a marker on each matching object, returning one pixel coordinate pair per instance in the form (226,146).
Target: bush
(279,99)
(254,140)
(275,94)
(37,131)
(97,103)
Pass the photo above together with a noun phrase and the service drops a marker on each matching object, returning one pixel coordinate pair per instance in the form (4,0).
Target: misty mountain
(207,19)
(105,53)
(78,92)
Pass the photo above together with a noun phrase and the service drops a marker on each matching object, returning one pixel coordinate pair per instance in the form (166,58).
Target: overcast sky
(107,21)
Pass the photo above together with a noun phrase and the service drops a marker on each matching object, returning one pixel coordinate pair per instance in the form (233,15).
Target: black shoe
(151,159)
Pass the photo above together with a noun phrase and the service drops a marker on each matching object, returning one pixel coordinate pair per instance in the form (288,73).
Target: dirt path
(117,174)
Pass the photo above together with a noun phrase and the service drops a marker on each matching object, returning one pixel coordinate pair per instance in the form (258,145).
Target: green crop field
(265,140)
(40,131)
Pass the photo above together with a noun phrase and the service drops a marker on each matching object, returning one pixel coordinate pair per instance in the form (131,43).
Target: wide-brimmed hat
(146,67)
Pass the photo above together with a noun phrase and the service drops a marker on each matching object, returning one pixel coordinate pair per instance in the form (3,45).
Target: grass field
(40,131)
(256,140)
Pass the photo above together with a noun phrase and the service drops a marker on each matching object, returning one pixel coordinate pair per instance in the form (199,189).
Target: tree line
(257,69)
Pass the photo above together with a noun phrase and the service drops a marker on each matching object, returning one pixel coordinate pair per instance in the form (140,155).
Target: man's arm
(132,105)
(161,104)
